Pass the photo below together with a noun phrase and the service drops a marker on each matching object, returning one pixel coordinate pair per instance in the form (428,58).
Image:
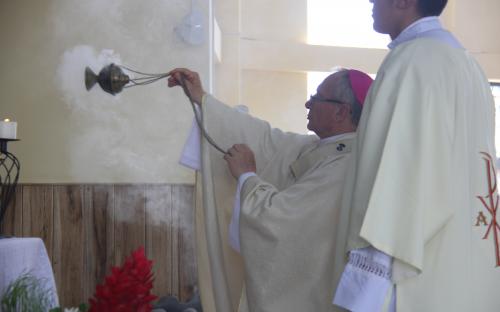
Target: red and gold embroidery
(490,202)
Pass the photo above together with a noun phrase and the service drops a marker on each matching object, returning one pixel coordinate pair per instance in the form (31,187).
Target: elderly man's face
(322,110)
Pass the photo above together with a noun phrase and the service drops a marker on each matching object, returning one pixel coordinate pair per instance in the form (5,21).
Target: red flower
(127,288)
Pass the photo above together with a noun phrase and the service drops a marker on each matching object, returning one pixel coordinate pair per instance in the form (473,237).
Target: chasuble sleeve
(229,126)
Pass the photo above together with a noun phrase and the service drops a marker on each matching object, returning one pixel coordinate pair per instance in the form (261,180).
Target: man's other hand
(240,159)
(189,80)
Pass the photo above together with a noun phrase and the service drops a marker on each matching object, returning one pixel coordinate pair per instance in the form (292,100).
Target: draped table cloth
(26,255)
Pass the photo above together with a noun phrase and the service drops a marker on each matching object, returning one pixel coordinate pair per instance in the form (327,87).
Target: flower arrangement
(127,288)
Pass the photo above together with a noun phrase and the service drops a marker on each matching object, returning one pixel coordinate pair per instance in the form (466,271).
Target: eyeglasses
(317,98)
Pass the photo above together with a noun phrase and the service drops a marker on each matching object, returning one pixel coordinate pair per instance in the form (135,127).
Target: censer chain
(150,78)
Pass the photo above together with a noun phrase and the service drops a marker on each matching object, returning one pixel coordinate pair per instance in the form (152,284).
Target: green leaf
(26,293)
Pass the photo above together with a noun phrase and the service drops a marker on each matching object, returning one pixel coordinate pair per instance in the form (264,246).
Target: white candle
(8,129)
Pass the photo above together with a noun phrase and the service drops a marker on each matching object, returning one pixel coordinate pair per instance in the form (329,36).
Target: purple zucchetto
(360,84)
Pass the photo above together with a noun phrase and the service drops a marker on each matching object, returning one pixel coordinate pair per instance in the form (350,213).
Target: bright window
(345,23)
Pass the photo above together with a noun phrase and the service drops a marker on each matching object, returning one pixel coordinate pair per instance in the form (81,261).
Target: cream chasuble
(272,229)
(423,186)
(287,233)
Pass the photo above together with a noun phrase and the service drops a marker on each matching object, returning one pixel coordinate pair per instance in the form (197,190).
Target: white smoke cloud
(70,76)
(127,137)
(107,137)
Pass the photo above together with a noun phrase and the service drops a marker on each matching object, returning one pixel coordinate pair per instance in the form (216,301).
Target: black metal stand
(9,175)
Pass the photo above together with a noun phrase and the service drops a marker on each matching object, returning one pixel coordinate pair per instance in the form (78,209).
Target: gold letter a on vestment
(481,218)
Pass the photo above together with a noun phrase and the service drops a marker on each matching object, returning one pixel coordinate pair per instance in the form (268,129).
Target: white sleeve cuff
(191,154)
(365,282)
(234,225)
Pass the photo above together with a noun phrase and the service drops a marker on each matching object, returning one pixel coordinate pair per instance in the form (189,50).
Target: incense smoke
(135,136)
(70,77)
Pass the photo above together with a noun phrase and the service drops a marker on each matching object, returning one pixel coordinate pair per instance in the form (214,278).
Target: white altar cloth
(23,255)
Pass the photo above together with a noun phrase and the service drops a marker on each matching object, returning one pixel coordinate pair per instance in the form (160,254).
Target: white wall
(71,135)
(227,74)
(277,20)
(476,24)
(282,89)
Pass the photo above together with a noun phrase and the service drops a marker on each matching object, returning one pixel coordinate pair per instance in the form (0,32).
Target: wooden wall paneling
(12,224)
(87,229)
(38,214)
(88,254)
(174,225)
(159,236)
(69,242)
(98,218)
(183,196)
(129,220)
